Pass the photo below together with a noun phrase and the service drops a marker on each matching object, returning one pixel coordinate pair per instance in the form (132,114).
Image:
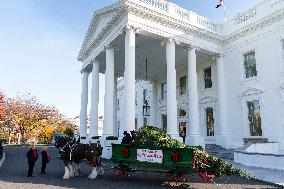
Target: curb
(3,159)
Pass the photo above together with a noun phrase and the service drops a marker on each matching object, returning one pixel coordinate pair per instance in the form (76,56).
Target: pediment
(251,91)
(99,23)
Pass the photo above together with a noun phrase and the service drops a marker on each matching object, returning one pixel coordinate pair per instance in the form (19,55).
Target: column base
(223,140)
(92,139)
(195,140)
(84,139)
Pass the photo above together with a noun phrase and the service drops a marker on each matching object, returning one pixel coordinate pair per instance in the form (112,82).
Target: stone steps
(219,151)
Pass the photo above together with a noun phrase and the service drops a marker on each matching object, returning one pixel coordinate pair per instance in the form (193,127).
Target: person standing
(32,158)
(45,159)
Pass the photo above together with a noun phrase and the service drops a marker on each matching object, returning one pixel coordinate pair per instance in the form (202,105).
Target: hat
(125,132)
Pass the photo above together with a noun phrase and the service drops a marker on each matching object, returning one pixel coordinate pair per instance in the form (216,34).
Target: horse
(71,151)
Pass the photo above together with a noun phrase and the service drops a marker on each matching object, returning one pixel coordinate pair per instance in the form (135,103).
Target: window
(144,95)
(282,50)
(250,65)
(182,82)
(182,129)
(254,118)
(136,99)
(118,108)
(163,91)
(210,121)
(207,78)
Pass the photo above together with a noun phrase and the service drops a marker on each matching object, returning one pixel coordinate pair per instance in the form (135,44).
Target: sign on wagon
(147,155)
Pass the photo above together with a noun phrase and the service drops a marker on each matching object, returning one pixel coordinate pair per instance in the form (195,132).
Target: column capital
(220,55)
(129,27)
(111,46)
(95,61)
(85,71)
(191,47)
(168,40)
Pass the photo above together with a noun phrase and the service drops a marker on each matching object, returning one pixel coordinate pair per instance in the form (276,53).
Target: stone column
(222,138)
(193,136)
(153,104)
(84,106)
(172,127)
(109,93)
(129,81)
(115,130)
(94,102)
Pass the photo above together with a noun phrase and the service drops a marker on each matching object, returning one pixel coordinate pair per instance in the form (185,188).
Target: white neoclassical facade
(168,67)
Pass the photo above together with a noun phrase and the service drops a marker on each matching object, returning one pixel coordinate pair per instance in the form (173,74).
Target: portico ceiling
(151,49)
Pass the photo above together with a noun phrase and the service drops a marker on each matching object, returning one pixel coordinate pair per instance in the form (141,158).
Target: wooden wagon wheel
(120,173)
(200,166)
(175,179)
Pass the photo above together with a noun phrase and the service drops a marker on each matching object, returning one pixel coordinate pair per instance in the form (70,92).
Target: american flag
(221,3)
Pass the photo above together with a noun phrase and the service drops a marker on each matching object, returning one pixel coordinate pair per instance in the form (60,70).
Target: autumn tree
(30,120)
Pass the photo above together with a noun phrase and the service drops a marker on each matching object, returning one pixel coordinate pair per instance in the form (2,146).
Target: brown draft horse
(73,152)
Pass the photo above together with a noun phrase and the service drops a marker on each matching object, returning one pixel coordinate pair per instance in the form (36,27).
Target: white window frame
(242,65)
(281,55)
(245,121)
(186,83)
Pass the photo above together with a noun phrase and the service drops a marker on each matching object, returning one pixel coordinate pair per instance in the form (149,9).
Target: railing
(207,23)
(275,2)
(180,13)
(160,4)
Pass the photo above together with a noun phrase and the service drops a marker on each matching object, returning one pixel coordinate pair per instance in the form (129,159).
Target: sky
(40,41)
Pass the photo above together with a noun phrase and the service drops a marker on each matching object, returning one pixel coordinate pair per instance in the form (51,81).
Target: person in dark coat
(32,157)
(44,159)
(126,139)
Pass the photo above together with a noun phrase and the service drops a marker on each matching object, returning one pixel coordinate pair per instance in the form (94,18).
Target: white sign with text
(152,156)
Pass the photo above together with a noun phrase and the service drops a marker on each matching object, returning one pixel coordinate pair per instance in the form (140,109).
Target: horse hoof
(66,178)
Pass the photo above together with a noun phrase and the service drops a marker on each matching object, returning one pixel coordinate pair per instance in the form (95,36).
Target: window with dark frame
(210,121)
(118,108)
(163,91)
(182,82)
(207,78)
(254,118)
(144,95)
(250,64)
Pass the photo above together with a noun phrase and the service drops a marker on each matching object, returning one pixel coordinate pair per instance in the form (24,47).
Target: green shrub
(152,137)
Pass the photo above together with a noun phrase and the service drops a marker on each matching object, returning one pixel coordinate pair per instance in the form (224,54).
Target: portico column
(115,130)
(171,90)
(94,102)
(193,131)
(153,104)
(84,105)
(129,81)
(222,139)
(109,93)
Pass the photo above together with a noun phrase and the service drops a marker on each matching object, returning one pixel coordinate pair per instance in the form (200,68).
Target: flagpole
(225,18)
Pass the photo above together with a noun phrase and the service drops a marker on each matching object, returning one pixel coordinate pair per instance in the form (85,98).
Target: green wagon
(175,162)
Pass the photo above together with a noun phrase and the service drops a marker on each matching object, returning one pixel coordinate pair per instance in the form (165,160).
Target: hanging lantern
(146,109)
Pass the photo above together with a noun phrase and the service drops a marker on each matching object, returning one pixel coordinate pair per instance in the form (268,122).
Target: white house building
(218,83)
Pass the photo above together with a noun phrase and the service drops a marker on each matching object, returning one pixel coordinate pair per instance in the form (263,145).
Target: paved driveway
(13,174)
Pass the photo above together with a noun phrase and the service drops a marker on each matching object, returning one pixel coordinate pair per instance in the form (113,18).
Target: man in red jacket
(32,157)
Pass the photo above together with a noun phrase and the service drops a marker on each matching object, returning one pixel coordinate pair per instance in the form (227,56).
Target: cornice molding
(125,7)
(259,24)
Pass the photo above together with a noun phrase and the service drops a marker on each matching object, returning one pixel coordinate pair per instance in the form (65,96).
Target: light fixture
(146,109)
